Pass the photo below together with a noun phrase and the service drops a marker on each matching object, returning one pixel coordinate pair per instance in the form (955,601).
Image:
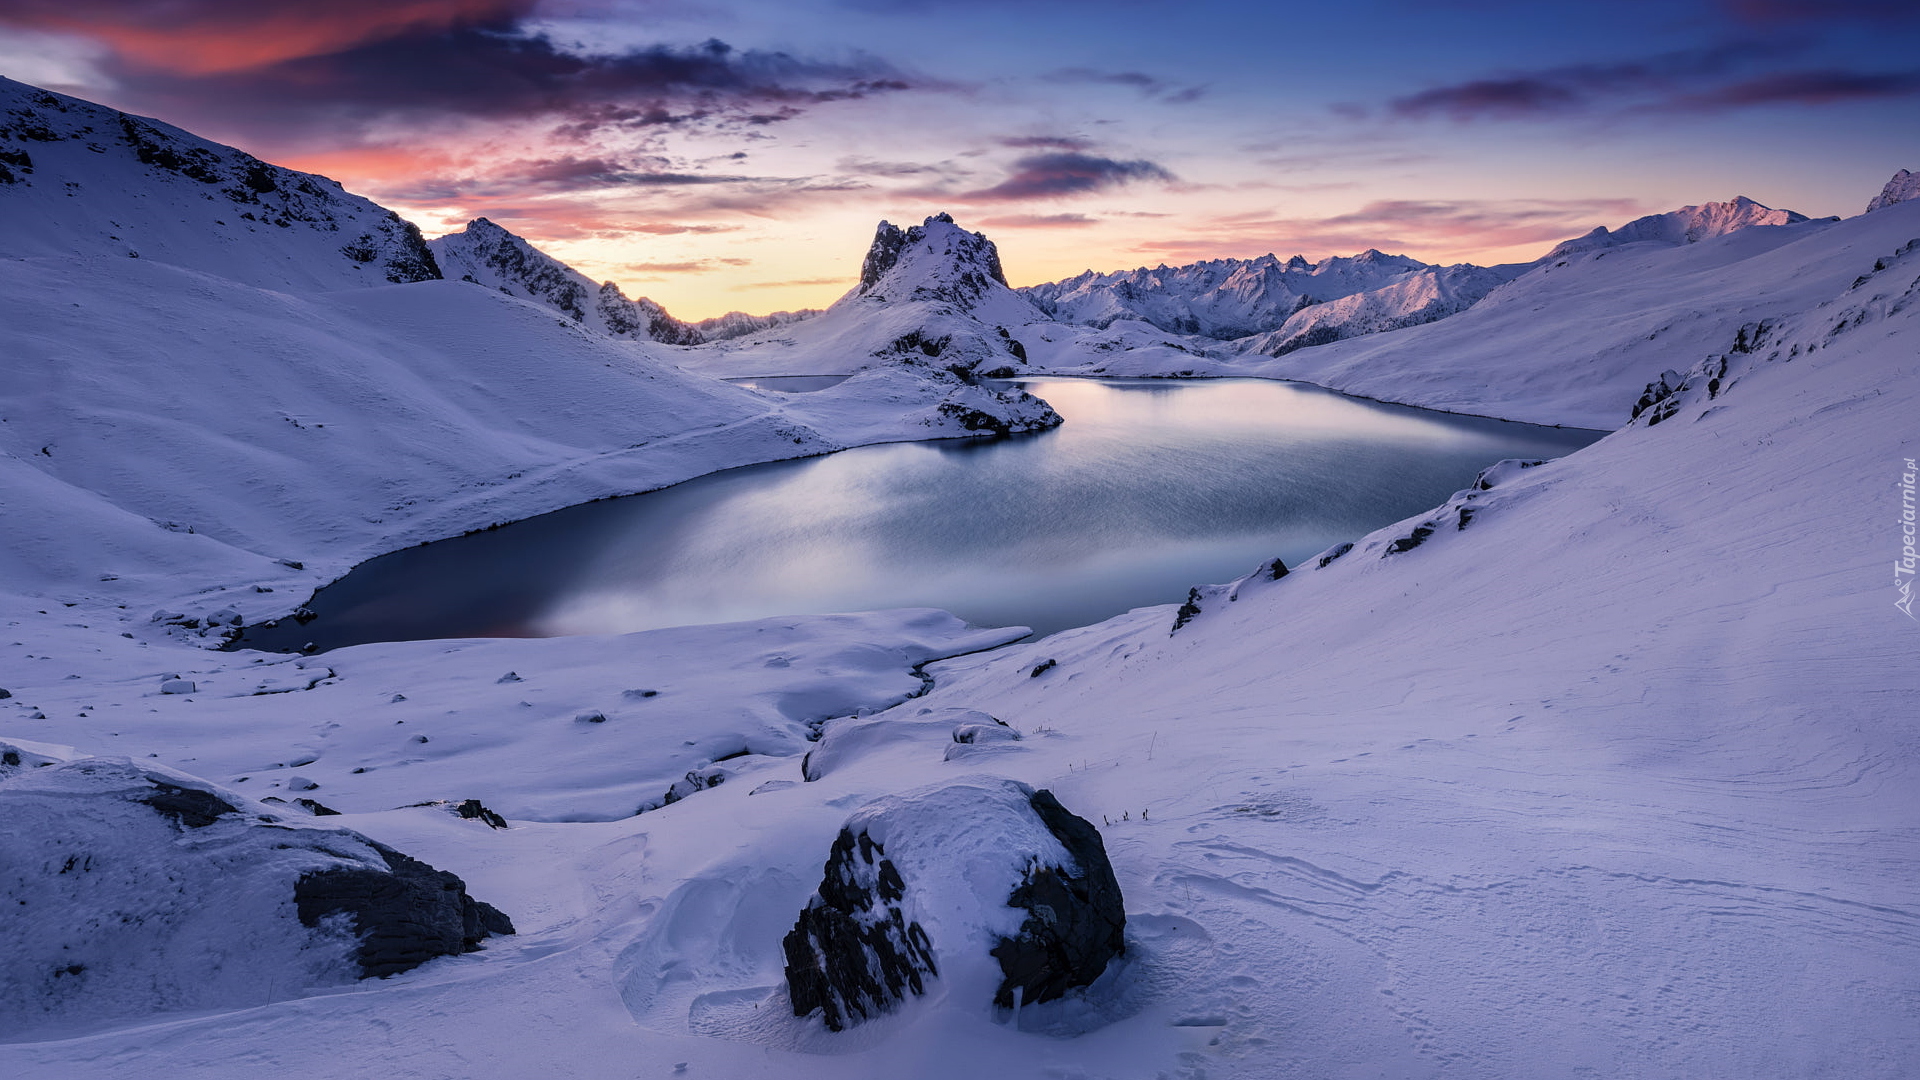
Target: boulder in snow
(134,889)
(984,883)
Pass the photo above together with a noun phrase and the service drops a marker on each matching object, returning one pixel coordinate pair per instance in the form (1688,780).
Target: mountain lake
(1151,486)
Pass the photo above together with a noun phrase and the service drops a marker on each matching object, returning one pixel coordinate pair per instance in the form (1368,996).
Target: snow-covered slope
(1602,768)
(79,178)
(1905,185)
(486,254)
(1687,225)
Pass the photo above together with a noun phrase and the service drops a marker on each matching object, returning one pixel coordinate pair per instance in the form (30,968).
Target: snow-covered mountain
(1424,295)
(486,254)
(1225,299)
(79,177)
(931,294)
(1272,308)
(1395,813)
(1598,768)
(1572,340)
(739,324)
(1687,225)
(1905,185)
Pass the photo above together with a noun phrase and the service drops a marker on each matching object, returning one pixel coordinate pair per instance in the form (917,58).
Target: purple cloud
(1060,175)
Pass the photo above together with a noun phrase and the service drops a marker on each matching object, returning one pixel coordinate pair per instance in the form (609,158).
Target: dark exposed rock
(1410,541)
(475,810)
(190,808)
(1076,920)
(974,264)
(1187,611)
(853,954)
(857,951)
(404,917)
(1334,554)
(316,808)
(1042,668)
(5,694)
(1275,570)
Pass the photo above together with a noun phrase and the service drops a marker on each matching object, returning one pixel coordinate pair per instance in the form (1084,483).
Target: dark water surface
(1151,486)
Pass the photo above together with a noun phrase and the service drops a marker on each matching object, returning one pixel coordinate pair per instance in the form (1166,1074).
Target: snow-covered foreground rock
(1603,767)
(135,889)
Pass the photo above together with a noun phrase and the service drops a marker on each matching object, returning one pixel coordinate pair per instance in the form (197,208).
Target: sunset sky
(736,154)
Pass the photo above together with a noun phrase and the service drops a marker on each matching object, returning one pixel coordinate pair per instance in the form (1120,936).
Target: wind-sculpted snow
(78,179)
(486,254)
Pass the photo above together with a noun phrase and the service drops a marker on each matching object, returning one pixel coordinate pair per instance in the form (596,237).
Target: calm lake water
(1151,486)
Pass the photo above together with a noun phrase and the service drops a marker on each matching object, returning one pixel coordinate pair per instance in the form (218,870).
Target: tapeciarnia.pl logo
(1903,567)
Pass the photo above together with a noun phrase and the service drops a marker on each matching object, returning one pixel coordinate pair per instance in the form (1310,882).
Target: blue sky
(736,154)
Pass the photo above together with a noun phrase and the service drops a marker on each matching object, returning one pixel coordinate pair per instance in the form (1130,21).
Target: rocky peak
(933,260)
(1904,186)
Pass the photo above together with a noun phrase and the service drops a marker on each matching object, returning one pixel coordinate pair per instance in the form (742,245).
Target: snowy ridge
(1905,185)
(486,254)
(1423,296)
(80,179)
(1687,225)
(739,324)
(1226,299)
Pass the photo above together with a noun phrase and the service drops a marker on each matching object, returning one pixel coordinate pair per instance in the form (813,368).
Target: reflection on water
(790,384)
(1149,487)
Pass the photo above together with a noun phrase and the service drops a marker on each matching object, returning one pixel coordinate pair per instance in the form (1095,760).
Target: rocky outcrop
(988,884)
(403,916)
(1904,185)
(854,954)
(134,889)
(1076,922)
